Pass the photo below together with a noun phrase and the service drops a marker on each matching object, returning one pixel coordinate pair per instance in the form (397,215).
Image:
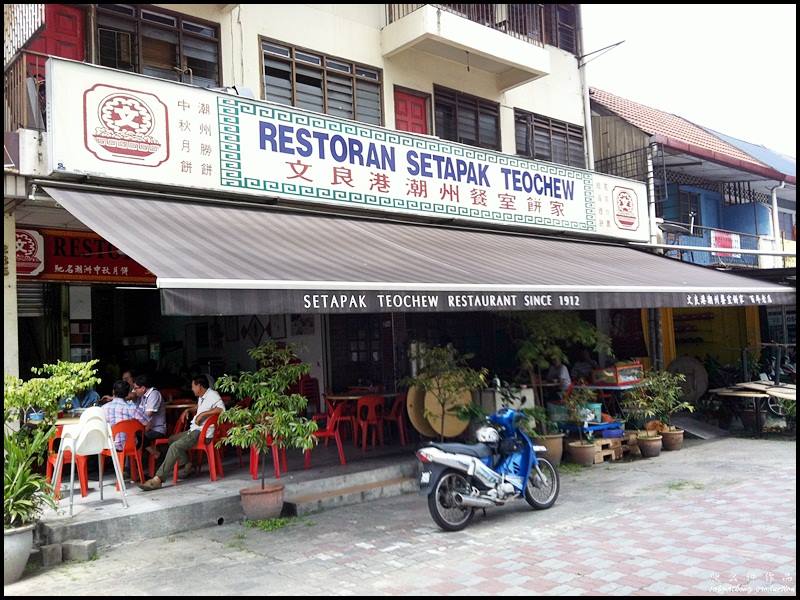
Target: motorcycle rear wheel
(442,505)
(543,496)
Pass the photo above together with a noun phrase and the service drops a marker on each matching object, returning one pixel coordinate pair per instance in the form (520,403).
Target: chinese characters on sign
(141,129)
(75,256)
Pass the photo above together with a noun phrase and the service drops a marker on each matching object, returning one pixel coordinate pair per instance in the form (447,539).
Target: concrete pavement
(718,518)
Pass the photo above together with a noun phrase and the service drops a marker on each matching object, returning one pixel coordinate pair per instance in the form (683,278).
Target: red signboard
(78,256)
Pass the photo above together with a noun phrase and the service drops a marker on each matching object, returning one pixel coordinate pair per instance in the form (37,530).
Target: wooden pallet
(611,449)
(607,449)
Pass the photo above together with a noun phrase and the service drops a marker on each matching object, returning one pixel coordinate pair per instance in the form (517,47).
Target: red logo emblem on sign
(626,208)
(126,126)
(30,253)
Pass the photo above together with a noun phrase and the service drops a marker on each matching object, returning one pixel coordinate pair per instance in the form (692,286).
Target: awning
(212,259)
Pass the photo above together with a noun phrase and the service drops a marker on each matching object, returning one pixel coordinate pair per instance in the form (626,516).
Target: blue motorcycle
(502,466)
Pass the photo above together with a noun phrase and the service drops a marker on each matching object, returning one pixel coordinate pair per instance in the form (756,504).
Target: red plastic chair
(369,413)
(347,415)
(180,425)
(331,431)
(204,446)
(52,456)
(309,387)
(279,463)
(130,427)
(220,433)
(397,415)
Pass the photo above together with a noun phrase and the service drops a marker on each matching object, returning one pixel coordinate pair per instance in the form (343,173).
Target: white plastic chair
(91,435)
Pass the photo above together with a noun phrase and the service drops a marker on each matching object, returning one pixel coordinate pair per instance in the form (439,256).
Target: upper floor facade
(497,76)
(709,190)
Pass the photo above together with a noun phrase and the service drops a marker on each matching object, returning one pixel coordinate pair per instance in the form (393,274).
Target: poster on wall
(302,325)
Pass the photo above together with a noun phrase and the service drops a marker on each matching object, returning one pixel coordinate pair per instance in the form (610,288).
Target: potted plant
(647,402)
(545,433)
(273,416)
(667,391)
(580,451)
(25,491)
(653,403)
(445,375)
(543,335)
(474,414)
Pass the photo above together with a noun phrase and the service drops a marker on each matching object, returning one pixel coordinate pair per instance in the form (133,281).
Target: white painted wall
(10,334)
(353,32)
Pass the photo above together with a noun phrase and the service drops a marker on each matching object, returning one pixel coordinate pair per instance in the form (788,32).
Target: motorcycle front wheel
(541,492)
(446,512)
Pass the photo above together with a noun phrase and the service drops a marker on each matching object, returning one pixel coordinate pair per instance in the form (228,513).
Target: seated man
(127,377)
(120,410)
(559,373)
(152,404)
(84,399)
(209,404)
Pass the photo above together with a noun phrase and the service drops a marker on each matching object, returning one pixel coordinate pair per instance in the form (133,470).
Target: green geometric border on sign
(230,109)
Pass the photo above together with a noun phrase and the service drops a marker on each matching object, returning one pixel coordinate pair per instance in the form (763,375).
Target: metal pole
(778,360)
(745,366)
(651,192)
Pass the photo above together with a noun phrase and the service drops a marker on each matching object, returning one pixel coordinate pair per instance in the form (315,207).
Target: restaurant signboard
(139,129)
(56,255)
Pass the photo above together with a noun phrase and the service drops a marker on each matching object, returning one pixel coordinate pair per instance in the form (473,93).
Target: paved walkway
(715,518)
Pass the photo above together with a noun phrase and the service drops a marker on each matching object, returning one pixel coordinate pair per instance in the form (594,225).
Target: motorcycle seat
(476,450)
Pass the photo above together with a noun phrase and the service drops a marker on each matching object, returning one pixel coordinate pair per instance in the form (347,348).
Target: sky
(727,67)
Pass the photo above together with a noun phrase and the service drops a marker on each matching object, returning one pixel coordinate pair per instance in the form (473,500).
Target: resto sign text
(136,128)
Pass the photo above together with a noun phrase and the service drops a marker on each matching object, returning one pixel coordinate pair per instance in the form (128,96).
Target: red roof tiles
(660,123)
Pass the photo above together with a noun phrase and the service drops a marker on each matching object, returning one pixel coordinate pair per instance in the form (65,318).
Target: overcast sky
(730,68)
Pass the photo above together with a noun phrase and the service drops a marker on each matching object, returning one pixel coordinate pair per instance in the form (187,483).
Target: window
(466,119)
(561,24)
(324,84)
(786,225)
(159,43)
(688,207)
(543,138)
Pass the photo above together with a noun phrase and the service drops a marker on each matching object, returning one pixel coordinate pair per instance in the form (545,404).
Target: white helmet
(488,435)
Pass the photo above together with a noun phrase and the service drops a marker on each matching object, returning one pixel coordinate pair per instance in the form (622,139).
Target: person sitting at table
(558,373)
(151,402)
(127,377)
(84,399)
(583,367)
(209,404)
(121,410)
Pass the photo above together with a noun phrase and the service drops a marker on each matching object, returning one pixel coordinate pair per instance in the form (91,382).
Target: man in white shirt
(209,404)
(559,373)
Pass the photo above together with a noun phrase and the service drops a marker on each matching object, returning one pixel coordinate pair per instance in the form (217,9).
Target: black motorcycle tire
(547,469)
(435,507)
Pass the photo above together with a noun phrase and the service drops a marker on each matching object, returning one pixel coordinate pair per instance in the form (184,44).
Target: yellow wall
(722,336)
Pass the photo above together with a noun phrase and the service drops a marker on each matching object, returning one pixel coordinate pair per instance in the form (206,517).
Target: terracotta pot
(650,447)
(262,503)
(554,443)
(581,453)
(673,440)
